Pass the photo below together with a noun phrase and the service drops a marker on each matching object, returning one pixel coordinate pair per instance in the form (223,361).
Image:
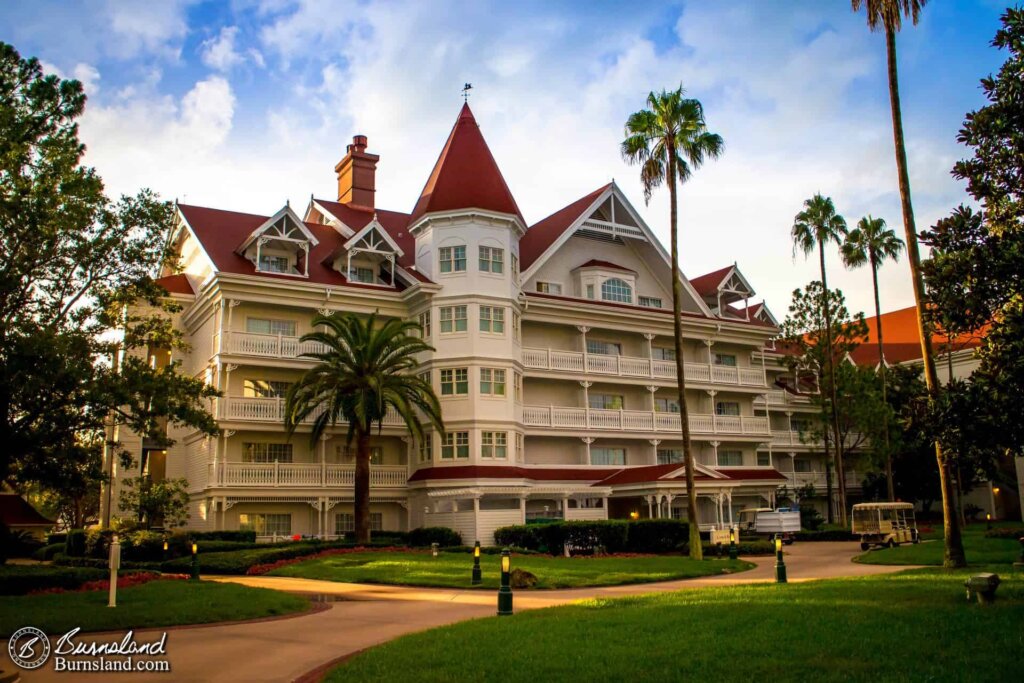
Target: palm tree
(873,243)
(669,141)
(888,15)
(364,370)
(813,228)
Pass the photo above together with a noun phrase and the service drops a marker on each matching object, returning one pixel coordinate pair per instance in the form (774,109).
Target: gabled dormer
(280,245)
(721,288)
(369,256)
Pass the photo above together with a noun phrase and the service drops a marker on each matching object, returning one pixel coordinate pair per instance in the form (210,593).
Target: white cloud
(221,53)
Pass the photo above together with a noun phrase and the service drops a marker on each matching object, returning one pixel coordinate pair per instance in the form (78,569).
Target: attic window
(616,290)
(274,264)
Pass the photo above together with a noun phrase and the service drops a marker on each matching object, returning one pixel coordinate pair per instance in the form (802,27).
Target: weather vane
(465,91)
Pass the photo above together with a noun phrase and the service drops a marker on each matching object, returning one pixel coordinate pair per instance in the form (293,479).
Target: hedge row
(1003,532)
(611,536)
(19,579)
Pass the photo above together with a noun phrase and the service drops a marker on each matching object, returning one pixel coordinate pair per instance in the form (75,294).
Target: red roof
(651,473)
(595,263)
(709,283)
(903,341)
(543,234)
(510,472)
(465,175)
(395,222)
(15,511)
(222,232)
(176,284)
(760,473)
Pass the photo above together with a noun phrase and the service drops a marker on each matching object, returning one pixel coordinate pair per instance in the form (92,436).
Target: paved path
(362,615)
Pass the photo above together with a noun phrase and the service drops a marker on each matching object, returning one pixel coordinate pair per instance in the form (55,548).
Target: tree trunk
(696,550)
(828,463)
(830,360)
(882,371)
(362,488)
(954,550)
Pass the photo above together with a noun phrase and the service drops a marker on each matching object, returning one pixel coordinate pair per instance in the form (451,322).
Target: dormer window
(368,257)
(281,245)
(274,264)
(615,289)
(361,274)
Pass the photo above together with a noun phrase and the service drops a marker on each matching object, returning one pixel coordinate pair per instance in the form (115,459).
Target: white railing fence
(637,366)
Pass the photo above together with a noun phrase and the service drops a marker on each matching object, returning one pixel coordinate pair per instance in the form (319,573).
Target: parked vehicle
(769,522)
(885,524)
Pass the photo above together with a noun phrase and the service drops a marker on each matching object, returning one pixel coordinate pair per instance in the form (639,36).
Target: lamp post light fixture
(634,515)
(194,575)
(165,548)
(732,543)
(476,565)
(505,592)
(780,564)
(988,521)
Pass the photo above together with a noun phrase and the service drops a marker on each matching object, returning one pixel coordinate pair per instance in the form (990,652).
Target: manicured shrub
(743,548)
(518,536)
(584,537)
(59,537)
(235,536)
(442,535)
(656,535)
(22,579)
(47,552)
(239,561)
(74,543)
(1003,532)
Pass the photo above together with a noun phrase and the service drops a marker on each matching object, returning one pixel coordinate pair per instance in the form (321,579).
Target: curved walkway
(363,615)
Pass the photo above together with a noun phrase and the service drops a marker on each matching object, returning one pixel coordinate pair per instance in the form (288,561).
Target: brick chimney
(357,174)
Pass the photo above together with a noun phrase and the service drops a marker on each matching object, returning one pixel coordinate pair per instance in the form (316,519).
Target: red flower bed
(126,581)
(258,569)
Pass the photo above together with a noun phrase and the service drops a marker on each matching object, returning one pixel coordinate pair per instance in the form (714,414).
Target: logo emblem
(29,648)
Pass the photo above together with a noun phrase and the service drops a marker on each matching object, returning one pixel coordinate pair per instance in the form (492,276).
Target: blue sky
(246,104)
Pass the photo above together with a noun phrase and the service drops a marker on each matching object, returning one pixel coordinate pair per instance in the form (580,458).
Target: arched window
(616,290)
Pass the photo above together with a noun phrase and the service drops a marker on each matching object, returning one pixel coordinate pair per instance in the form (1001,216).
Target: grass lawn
(912,626)
(979,550)
(452,570)
(157,603)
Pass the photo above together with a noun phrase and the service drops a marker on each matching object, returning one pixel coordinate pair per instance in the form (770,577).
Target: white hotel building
(553,361)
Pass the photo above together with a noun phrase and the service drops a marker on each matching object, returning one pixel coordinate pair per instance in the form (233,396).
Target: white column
(650,507)
(586,400)
(654,447)
(588,440)
(650,353)
(476,518)
(714,418)
(522,508)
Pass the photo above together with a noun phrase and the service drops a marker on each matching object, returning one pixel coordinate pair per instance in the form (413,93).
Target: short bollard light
(505,591)
(780,564)
(165,548)
(634,515)
(115,565)
(194,574)
(433,550)
(477,577)
(732,544)
(988,521)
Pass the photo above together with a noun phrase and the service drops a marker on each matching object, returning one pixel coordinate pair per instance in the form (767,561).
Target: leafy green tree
(888,16)
(365,369)
(669,141)
(74,266)
(873,243)
(815,227)
(156,503)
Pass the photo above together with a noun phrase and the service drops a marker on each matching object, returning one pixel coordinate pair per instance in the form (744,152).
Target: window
(345,522)
(669,456)
(516,326)
(662,353)
(616,290)
(494,444)
(453,259)
(274,264)
(453,319)
(730,458)
(666,405)
(492,382)
(607,456)
(549,287)
(650,301)
(800,424)
(605,402)
(361,274)
(264,388)
(265,524)
(728,359)
(455,445)
(266,452)
(455,382)
(730,408)
(764,460)
(424,321)
(604,348)
(517,386)
(492,260)
(427,447)
(492,319)
(801,465)
(590,291)
(270,326)
(425,376)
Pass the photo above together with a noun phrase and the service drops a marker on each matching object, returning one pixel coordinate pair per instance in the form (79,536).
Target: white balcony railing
(247,409)
(800,479)
(634,366)
(791,437)
(560,417)
(780,398)
(277,474)
(267,345)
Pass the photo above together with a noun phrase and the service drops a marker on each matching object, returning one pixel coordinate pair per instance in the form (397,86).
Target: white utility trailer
(770,522)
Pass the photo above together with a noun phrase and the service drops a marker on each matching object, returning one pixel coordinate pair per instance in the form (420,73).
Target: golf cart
(884,524)
(770,523)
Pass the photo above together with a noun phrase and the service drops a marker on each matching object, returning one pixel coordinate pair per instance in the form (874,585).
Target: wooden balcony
(247,409)
(560,417)
(634,366)
(302,475)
